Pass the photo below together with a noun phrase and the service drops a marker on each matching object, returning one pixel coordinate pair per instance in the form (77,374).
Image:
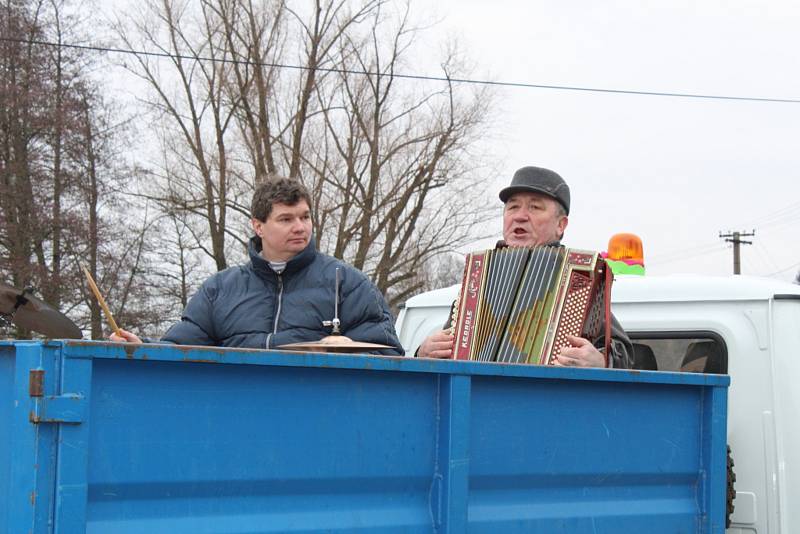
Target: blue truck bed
(105,438)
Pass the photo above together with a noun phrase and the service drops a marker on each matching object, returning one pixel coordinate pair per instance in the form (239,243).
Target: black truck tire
(731,490)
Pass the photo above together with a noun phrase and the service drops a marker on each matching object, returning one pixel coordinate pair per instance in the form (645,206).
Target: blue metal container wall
(7,361)
(587,457)
(32,449)
(257,448)
(176,439)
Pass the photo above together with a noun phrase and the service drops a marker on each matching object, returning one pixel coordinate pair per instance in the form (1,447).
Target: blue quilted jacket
(251,306)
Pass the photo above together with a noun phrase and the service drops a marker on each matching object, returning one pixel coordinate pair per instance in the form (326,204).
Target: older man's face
(531,219)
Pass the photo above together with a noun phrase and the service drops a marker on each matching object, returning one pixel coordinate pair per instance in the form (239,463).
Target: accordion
(518,305)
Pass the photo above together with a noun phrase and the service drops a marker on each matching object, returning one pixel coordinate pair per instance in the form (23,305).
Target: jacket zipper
(278,312)
(280,300)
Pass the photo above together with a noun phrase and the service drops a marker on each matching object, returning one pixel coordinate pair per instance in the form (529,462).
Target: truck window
(689,352)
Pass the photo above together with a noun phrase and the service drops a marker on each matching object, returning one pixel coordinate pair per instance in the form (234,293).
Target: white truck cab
(746,327)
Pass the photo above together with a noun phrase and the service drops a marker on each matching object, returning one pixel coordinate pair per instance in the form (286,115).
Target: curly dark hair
(280,190)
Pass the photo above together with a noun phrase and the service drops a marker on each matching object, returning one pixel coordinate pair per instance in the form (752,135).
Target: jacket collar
(261,266)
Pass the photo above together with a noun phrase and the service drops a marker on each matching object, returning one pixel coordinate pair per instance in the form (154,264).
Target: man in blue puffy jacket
(286,291)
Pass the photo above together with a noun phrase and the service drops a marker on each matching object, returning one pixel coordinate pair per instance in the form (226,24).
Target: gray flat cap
(538,180)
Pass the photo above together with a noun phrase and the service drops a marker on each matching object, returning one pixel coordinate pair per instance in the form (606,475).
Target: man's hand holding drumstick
(118,333)
(123,336)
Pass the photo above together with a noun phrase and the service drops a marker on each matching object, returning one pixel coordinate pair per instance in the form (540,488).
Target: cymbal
(334,343)
(34,314)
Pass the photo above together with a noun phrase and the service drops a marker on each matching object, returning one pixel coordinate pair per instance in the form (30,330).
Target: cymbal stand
(335,322)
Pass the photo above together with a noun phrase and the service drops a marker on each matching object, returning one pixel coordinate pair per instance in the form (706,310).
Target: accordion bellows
(518,305)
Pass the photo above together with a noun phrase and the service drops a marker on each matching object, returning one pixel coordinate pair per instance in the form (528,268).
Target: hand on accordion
(581,354)
(437,345)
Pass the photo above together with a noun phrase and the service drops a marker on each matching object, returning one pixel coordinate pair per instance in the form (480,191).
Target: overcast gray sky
(676,171)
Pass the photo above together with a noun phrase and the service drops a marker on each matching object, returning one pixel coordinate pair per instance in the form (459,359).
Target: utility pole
(736,239)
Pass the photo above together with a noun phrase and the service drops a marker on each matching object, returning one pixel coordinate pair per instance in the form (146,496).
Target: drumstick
(101,300)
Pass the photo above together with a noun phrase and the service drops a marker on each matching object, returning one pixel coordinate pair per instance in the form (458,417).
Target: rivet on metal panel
(36,383)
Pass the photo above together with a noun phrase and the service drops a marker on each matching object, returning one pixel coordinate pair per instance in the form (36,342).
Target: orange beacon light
(625,254)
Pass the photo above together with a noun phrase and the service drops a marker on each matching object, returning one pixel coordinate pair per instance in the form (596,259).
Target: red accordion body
(518,305)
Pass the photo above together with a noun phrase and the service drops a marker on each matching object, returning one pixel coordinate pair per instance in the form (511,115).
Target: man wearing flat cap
(536,213)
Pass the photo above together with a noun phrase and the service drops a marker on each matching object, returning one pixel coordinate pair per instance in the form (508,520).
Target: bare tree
(23,90)
(180,272)
(329,25)
(60,170)
(37,119)
(195,175)
(114,246)
(255,35)
(255,87)
(394,178)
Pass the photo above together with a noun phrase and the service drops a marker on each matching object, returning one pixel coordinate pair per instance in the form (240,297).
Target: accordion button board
(518,305)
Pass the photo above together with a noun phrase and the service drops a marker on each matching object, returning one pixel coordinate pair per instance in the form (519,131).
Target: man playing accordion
(536,213)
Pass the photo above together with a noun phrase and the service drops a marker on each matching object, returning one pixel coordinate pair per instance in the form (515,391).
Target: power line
(790,210)
(686,256)
(766,257)
(685,252)
(783,218)
(404,76)
(782,222)
(785,269)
